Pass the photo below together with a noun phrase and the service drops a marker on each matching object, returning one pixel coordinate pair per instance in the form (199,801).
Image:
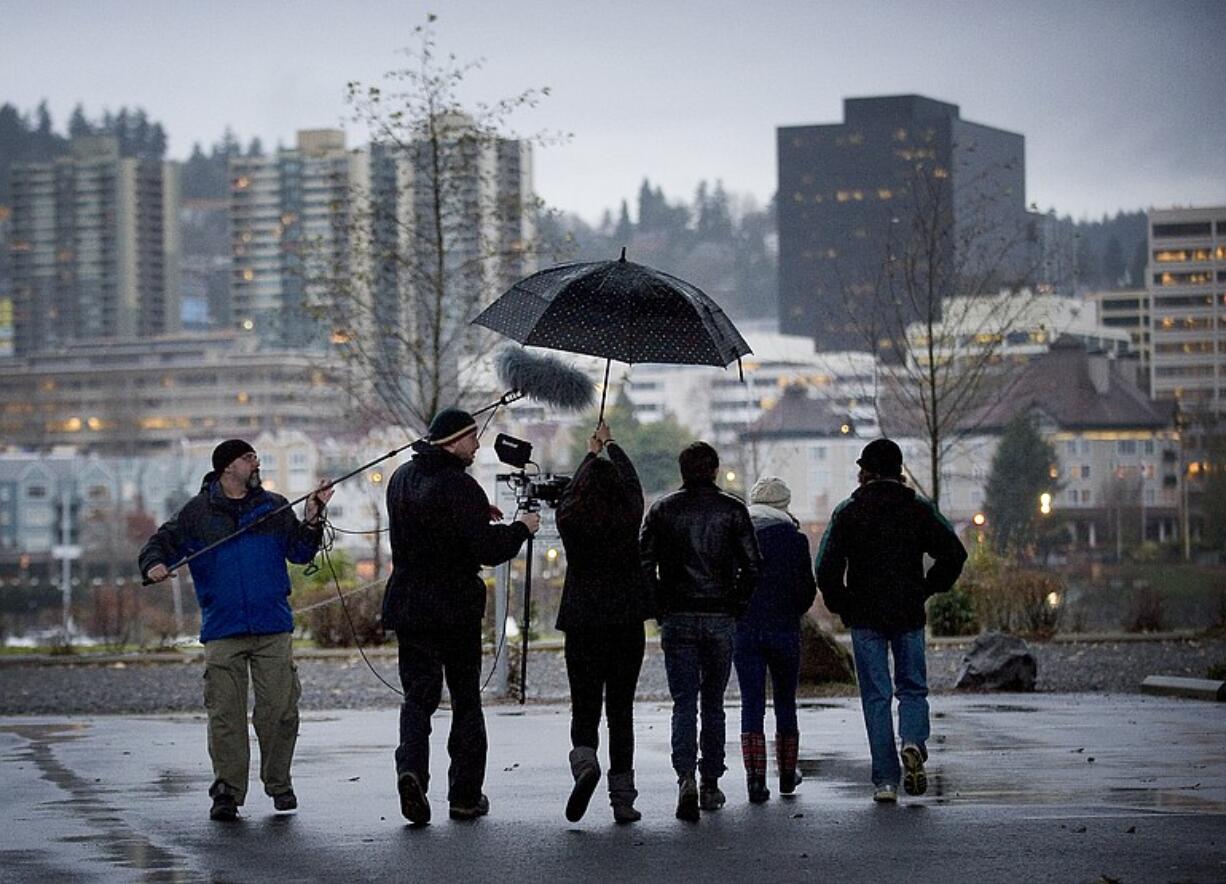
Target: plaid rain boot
(753,751)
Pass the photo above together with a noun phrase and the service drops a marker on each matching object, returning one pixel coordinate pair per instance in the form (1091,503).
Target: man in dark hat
(870,570)
(442,532)
(246,625)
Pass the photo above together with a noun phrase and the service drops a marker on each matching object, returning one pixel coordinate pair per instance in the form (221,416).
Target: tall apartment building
(290,215)
(1186,281)
(93,247)
(486,225)
(848,192)
(321,210)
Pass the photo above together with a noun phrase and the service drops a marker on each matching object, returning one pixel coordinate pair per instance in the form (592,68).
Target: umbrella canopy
(619,310)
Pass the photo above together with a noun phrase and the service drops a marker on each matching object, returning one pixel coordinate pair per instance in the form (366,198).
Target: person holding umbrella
(768,637)
(602,611)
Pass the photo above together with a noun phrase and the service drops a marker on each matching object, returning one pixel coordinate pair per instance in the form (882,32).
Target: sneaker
(914,781)
(225,808)
(414,805)
(287,800)
(462,811)
(885,794)
(687,798)
(710,796)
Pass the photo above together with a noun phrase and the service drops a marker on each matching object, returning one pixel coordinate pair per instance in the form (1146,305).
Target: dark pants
(604,665)
(756,652)
(426,658)
(698,660)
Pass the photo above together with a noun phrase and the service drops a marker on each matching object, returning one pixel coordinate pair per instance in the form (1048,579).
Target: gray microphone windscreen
(543,378)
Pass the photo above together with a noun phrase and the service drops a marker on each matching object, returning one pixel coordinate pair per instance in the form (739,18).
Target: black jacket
(699,553)
(604,582)
(870,566)
(786,588)
(441,535)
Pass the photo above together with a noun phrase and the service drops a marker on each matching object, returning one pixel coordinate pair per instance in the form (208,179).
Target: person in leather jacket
(700,559)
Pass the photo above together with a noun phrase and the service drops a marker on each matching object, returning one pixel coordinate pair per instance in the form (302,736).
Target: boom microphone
(545,379)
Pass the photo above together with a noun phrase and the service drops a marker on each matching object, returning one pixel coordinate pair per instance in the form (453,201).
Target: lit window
(248,274)
(242,182)
(243,398)
(884,193)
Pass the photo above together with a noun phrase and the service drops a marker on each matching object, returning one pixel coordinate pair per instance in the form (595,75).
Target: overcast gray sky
(1123,104)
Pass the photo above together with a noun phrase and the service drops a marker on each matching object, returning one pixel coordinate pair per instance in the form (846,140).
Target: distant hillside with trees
(723,244)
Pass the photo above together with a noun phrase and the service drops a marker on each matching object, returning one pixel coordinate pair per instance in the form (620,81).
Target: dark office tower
(853,194)
(93,247)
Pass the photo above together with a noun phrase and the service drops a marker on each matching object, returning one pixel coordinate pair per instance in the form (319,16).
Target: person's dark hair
(699,462)
(596,493)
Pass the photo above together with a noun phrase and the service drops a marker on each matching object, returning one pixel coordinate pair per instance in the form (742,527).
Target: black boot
(687,798)
(710,797)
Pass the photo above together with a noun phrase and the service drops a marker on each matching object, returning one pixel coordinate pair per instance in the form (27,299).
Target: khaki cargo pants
(277,689)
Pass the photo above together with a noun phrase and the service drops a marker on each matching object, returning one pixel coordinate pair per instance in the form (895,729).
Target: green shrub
(953,613)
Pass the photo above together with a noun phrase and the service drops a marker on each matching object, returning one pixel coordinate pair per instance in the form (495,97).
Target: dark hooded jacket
(698,552)
(441,535)
(870,566)
(242,586)
(604,583)
(785,587)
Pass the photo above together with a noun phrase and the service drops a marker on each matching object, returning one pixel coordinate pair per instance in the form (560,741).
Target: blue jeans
(698,661)
(756,652)
(871,650)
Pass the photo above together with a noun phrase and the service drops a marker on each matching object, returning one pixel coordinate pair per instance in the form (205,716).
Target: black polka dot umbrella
(619,310)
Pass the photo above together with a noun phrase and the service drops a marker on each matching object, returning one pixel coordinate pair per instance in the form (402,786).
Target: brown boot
(753,752)
(787,748)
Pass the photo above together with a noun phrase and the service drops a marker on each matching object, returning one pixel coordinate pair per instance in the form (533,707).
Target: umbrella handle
(604,391)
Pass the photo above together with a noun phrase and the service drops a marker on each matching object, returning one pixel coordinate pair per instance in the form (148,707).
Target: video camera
(530,490)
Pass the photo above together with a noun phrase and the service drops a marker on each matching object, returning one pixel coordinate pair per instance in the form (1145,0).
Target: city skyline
(1116,100)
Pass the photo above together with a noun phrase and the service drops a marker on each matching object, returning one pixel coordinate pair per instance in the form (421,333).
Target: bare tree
(444,221)
(928,316)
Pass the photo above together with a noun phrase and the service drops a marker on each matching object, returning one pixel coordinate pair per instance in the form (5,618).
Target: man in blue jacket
(243,588)
(870,570)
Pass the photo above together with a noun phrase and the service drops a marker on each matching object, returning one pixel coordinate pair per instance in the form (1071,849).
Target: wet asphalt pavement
(1039,787)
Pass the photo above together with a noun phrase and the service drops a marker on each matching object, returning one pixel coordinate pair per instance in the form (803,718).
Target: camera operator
(441,535)
(602,613)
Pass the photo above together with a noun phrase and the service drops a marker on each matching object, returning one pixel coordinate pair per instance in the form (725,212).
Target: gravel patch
(132,687)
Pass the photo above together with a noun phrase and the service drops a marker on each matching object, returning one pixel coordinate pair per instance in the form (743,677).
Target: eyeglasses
(250,457)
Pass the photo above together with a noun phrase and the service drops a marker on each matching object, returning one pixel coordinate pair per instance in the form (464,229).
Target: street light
(1045,503)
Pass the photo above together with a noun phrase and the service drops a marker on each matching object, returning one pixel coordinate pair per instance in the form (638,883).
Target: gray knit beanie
(771,491)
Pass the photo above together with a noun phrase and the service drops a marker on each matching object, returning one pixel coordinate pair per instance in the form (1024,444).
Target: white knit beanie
(771,491)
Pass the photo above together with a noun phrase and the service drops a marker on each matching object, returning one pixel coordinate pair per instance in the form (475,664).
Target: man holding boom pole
(243,588)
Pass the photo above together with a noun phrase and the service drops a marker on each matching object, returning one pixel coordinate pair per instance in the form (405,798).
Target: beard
(253,481)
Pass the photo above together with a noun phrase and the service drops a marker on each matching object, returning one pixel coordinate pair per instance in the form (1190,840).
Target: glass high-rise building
(93,247)
(852,193)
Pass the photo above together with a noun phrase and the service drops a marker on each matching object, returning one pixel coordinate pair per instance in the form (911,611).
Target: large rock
(822,658)
(998,661)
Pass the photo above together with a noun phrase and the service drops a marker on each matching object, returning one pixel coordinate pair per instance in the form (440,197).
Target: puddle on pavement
(113,839)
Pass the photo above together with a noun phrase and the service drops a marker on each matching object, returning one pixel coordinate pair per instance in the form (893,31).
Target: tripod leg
(523,655)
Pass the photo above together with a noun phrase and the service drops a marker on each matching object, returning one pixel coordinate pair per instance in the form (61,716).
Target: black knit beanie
(228,452)
(450,424)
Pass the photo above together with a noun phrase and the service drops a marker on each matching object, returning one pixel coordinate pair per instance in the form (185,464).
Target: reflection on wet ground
(110,837)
